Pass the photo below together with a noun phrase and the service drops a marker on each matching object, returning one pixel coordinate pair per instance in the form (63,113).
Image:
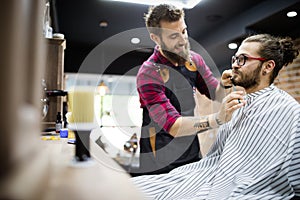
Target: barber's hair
(280,49)
(162,12)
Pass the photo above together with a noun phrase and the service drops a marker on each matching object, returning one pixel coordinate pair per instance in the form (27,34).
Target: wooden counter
(104,179)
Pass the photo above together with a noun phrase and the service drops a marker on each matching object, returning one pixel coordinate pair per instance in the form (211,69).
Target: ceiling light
(110,79)
(292,14)
(179,3)
(232,45)
(103,24)
(135,40)
(102,88)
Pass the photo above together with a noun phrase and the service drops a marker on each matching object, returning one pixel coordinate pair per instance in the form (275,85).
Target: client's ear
(268,66)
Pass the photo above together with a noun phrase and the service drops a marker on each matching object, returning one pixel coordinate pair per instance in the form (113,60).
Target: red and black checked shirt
(151,88)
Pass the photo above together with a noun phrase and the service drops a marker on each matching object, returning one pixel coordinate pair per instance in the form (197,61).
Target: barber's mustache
(186,46)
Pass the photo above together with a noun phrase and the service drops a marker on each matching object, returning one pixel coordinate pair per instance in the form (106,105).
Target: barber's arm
(167,117)
(185,126)
(224,86)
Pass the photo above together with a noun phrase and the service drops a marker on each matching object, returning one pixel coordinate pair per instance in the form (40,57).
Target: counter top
(102,179)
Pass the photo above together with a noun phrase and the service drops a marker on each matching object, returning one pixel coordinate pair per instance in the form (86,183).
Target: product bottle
(58,124)
(47,29)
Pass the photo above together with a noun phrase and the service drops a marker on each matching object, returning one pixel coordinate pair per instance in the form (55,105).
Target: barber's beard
(180,58)
(250,80)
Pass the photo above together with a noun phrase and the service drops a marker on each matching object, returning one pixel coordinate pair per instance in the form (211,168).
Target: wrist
(218,121)
(214,121)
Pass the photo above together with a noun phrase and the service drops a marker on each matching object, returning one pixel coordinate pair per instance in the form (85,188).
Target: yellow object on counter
(81,104)
(71,134)
(50,137)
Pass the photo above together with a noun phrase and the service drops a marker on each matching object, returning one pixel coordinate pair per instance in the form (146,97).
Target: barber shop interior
(146,99)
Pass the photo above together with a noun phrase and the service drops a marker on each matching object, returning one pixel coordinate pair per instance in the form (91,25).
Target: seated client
(257,153)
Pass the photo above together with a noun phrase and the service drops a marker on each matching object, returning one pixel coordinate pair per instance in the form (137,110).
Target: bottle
(58,123)
(47,29)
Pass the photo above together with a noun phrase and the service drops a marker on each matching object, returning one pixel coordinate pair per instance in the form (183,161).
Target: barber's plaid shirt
(151,87)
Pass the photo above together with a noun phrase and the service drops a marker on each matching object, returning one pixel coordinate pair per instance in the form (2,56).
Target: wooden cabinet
(54,77)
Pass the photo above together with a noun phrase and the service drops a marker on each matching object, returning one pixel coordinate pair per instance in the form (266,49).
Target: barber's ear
(155,38)
(269,66)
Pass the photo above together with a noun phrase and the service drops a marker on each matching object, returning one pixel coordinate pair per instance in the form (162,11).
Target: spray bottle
(58,123)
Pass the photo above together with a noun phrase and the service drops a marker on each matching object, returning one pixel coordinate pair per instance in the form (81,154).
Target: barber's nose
(182,39)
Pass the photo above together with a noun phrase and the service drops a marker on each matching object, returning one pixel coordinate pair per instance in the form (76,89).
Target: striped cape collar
(250,97)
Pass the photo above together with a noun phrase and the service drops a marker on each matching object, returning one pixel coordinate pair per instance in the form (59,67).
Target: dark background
(212,24)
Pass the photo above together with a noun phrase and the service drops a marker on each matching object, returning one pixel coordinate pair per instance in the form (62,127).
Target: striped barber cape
(256,156)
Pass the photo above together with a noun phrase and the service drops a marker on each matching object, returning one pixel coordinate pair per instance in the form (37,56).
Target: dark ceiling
(212,24)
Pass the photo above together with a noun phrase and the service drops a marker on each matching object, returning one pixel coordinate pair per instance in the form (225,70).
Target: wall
(289,77)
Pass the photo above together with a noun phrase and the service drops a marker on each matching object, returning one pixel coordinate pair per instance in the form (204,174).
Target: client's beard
(248,81)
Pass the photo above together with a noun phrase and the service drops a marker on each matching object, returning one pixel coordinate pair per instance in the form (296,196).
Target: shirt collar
(157,57)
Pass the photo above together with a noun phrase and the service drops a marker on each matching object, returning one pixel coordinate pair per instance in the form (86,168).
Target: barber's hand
(230,103)
(226,78)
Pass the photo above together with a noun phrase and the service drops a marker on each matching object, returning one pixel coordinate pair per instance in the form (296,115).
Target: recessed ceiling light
(103,24)
(135,40)
(179,3)
(292,14)
(232,45)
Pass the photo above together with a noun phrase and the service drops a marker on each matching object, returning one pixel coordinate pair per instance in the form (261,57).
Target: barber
(166,83)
